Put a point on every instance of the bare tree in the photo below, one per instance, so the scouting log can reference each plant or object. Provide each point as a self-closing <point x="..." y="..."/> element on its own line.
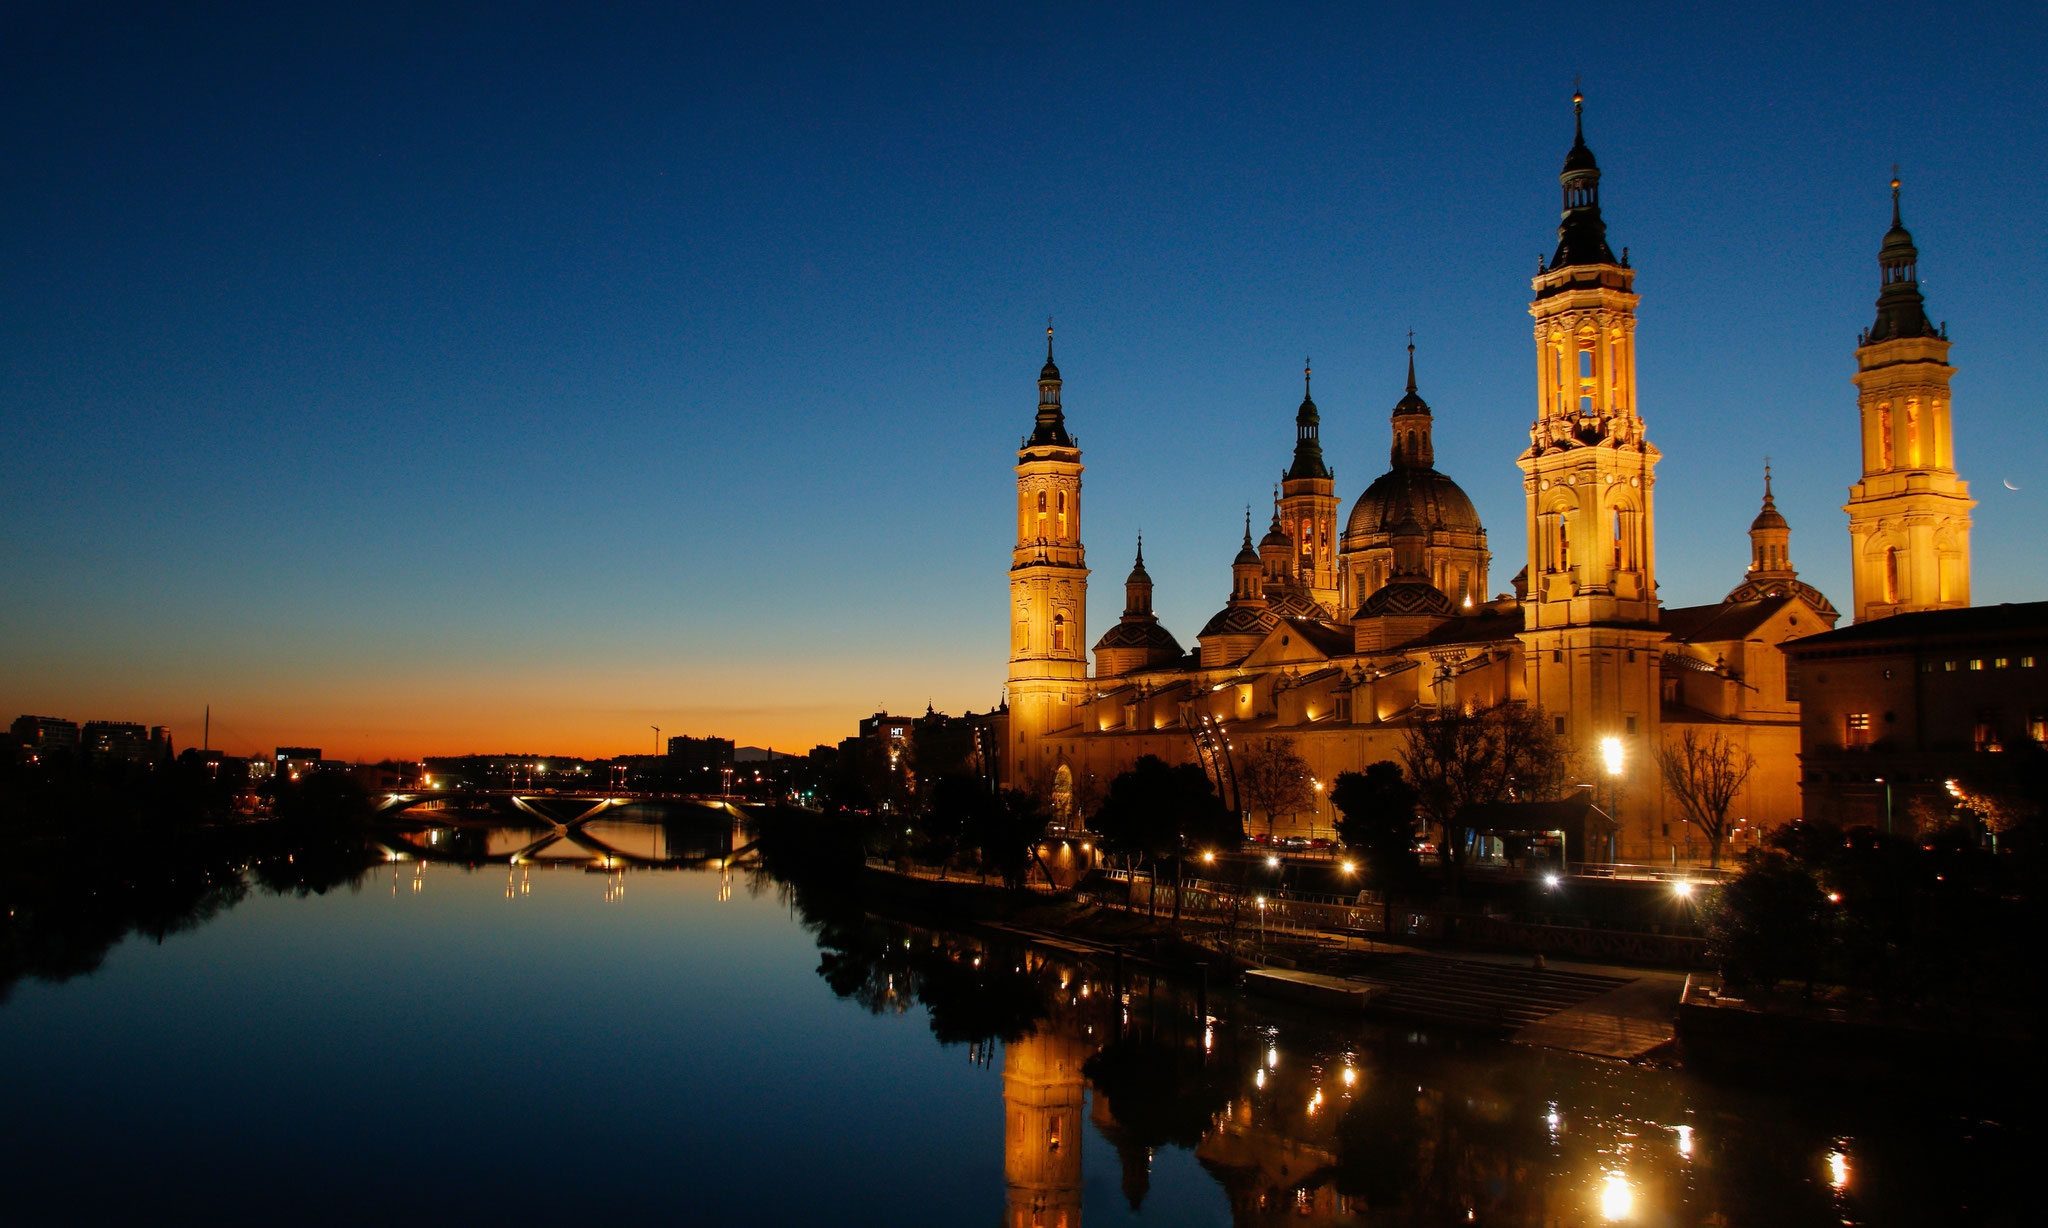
<point x="1273" y="779"/>
<point x="1705" y="774"/>
<point x="1457" y="760"/>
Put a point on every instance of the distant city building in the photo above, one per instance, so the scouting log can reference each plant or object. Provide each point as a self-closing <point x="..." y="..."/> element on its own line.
<point x="700" y="755"/>
<point x="43" y="736"/>
<point x="105" y="741"/>
<point x="290" y="762"/>
<point x="1893" y="709"/>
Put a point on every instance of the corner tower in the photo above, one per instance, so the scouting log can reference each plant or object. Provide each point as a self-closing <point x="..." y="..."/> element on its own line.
<point x="1909" y="518"/>
<point x="1048" y="584"/>
<point x="1589" y="470"/>
<point x="1308" y="506"/>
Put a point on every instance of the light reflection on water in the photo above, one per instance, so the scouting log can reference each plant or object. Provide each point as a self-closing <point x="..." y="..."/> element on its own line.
<point x="706" y="1021"/>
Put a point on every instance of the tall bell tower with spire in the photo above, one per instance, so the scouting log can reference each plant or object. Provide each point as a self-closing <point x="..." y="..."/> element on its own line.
<point x="1048" y="584"/>
<point x="1308" y="505"/>
<point x="1909" y="518"/>
<point x="1589" y="471"/>
<point x="1588" y="475"/>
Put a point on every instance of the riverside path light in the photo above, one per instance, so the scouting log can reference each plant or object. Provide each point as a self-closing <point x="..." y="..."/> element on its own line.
<point x="1611" y="754"/>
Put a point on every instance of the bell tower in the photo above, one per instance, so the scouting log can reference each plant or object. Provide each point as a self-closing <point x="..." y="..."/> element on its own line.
<point x="1308" y="505"/>
<point x="1589" y="470"/>
<point x="1909" y="518"/>
<point x="1590" y="634"/>
<point x="1048" y="584"/>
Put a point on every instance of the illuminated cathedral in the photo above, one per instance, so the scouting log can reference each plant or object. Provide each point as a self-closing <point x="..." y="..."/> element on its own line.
<point x="1338" y="639"/>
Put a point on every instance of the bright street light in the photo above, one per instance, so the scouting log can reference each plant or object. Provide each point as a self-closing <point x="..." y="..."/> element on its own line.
<point x="1610" y="750"/>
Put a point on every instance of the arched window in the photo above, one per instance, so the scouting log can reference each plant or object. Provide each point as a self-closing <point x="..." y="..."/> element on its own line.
<point x="1616" y="517"/>
<point x="1564" y="542"/>
<point x="1891" y="575"/>
<point x="1059" y="632"/>
<point x="1041" y="515"/>
<point x="1063" y="514"/>
<point x="1912" y="432"/>
<point x="1884" y="436"/>
<point x="1307" y="538"/>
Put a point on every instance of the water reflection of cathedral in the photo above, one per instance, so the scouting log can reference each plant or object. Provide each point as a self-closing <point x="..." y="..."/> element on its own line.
<point x="1300" y="1119"/>
<point x="1043" y="1090"/>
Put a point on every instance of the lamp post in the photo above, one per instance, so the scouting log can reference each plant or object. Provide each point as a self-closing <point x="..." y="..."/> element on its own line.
<point x="1611" y="753"/>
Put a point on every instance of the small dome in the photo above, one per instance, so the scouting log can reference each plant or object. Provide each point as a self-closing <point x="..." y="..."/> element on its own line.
<point x="1407" y="597"/>
<point x="1246" y="555"/>
<point x="1138" y="573"/>
<point x="1769" y="518"/>
<point x="1239" y="620"/>
<point x="1580" y="158"/>
<point x="1048" y="371"/>
<point x="1140" y="634"/>
<point x="1275" y="539"/>
<point x="1288" y="601"/>
<point x="1434" y="500"/>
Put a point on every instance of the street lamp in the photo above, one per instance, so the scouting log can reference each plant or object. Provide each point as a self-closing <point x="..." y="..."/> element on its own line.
<point x="1610" y="751"/>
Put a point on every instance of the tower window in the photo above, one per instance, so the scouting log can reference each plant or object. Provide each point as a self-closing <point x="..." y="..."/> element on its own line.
<point x="1884" y="436"/>
<point x="1912" y="432"/>
<point x="1891" y="575"/>
<point x="1063" y="514"/>
<point x="1059" y="632"/>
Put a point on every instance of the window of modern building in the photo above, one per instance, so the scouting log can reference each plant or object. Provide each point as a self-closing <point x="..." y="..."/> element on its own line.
<point x="2000" y="662"/>
<point x="1976" y="663"/>
<point x="1856" y="729"/>
<point x="2037" y="728"/>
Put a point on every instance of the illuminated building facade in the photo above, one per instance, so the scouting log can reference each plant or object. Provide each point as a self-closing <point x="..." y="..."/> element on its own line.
<point x="1339" y="651"/>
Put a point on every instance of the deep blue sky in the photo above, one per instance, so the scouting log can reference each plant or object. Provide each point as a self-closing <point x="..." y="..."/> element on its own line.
<point x="525" y="375"/>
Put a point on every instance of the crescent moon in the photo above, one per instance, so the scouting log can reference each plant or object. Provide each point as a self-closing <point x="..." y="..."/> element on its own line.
<point x="2009" y="485"/>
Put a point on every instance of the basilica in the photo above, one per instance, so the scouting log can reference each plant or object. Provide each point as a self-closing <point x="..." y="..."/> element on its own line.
<point x="1338" y="634"/>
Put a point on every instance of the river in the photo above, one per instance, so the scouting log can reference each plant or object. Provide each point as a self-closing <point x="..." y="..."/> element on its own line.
<point x="559" y="1041"/>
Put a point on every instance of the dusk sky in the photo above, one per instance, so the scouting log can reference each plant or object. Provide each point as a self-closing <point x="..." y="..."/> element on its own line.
<point x="424" y="379"/>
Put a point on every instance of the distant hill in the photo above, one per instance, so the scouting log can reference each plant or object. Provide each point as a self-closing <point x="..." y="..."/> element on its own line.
<point x="756" y="754"/>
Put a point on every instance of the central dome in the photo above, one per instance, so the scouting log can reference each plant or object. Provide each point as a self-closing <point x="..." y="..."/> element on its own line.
<point x="1434" y="500"/>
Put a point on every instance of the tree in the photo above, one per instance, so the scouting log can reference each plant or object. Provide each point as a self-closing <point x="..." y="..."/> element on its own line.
<point x="1273" y="779"/>
<point x="1008" y="831"/>
<point x="1457" y="760"/>
<point x="1376" y="813"/>
<point x="1157" y="811"/>
<point x="1705" y="774"/>
<point x="1766" y="925"/>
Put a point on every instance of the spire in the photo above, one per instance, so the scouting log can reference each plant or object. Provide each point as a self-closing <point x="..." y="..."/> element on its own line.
<point x="1138" y="586"/>
<point x="1413" y="447"/>
<point x="1050" y="429"/>
<point x="1770" y="539"/>
<point x="1308" y="444"/>
<point x="1581" y="233"/>
<point x="1901" y="312"/>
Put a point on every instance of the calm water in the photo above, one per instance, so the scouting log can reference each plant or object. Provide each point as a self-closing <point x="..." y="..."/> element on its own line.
<point x="551" y="1043"/>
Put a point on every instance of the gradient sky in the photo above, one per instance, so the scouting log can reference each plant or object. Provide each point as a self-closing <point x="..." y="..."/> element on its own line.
<point x="423" y="379"/>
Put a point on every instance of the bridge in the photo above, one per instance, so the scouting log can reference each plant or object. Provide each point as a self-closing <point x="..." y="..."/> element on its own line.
<point x="564" y="822"/>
